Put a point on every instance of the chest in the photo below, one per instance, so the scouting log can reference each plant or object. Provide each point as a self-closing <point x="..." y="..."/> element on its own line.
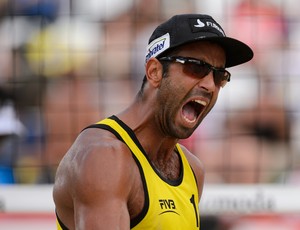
<point x="160" y="203"/>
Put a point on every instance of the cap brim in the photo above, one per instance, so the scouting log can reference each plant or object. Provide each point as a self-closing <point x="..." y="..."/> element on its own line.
<point x="236" y="51"/>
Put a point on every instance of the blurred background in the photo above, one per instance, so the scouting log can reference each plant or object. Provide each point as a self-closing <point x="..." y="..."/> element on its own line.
<point x="65" y="64"/>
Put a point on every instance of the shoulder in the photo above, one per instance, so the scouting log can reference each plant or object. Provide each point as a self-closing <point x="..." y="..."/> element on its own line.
<point x="95" y="164"/>
<point x="104" y="153"/>
<point x="197" y="167"/>
<point x="95" y="178"/>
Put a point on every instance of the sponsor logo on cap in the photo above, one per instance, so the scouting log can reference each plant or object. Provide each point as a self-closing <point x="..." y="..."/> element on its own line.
<point x="212" y="24"/>
<point x="199" y="23"/>
<point x="202" y="24"/>
<point x="158" y="46"/>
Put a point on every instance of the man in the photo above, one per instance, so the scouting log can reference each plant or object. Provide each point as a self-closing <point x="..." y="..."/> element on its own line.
<point x="128" y="171"/>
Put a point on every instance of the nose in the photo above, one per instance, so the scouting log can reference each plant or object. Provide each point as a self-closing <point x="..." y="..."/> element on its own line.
<point x="208" y="82"/>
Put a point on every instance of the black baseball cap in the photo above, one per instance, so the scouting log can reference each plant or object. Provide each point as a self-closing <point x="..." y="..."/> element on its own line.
<point x="186" y="28"/>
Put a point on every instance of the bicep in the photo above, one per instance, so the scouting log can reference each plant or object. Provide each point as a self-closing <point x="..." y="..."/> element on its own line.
<point x="101" y="190"/>
<point x="108" y="214"/>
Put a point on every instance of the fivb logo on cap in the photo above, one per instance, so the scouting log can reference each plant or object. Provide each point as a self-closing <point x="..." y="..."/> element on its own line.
<point x="158" y="46"/>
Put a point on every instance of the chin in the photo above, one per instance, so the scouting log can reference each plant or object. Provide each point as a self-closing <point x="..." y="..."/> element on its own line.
<point x="185" y="133"/>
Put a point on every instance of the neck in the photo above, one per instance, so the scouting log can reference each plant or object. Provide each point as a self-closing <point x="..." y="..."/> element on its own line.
<point x="140" y="117"/>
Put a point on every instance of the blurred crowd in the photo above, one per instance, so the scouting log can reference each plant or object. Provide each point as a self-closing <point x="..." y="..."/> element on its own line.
<point x="67" y="64"/>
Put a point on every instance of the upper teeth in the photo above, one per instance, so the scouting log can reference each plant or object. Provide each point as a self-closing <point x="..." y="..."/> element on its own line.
<point x="204" y="103"/>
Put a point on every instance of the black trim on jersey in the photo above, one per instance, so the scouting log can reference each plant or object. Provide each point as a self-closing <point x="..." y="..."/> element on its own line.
<point x="194" y="175"/>
<point x="142" y="214"/>
<point x="136" y="220"/>
<point x="136" y="141"/>
<point x="106" y="127"/>
<point x="63" y="227"/>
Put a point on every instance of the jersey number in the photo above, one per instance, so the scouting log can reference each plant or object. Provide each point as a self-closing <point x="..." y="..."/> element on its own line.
<point x="192" y="200"/>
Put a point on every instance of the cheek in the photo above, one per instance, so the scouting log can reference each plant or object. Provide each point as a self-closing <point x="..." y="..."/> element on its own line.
<point x="215" y="95"/>
<point x="170" y="89"/>
<point x="170" y="96"/>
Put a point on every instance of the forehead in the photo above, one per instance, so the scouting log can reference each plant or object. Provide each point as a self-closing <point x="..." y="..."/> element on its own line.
<point x="204" y="50"/>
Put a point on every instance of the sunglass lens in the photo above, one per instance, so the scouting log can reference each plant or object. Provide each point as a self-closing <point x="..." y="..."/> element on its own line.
<point x="196" y="70"/>
<point x="220" y="78"/>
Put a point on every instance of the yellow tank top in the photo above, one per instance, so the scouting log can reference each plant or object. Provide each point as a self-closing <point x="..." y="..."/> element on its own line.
<point x="169" y="205"/>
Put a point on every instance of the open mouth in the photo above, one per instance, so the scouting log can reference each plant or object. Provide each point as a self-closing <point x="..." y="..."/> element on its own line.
<point x="192" y="110"/>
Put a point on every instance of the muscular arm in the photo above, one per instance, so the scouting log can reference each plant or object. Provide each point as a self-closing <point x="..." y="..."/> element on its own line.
<point x="99" y="183"/>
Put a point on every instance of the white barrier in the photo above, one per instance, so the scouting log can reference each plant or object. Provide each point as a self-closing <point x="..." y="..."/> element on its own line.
<point x="26" y="198"/>
<point x="216" y="199"/>
<point x="250" y="199"/>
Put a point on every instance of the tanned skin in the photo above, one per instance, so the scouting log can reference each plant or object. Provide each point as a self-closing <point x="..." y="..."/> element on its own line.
<point x="98" y="184"/>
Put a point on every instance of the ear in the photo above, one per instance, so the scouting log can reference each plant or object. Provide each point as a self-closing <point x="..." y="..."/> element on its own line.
<point x="154" y="72"/>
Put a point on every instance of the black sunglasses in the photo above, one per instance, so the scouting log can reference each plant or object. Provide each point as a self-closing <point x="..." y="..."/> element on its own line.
<point x="200" y="69"/>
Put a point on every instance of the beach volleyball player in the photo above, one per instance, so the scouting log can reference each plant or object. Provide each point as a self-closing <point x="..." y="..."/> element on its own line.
<point x="128" y="171"/>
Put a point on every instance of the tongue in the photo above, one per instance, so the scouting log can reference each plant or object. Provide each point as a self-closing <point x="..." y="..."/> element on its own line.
<point x="189" y="113"/>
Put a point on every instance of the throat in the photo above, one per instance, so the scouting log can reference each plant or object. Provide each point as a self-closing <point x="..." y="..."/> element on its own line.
<point x="171" y="169"/>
